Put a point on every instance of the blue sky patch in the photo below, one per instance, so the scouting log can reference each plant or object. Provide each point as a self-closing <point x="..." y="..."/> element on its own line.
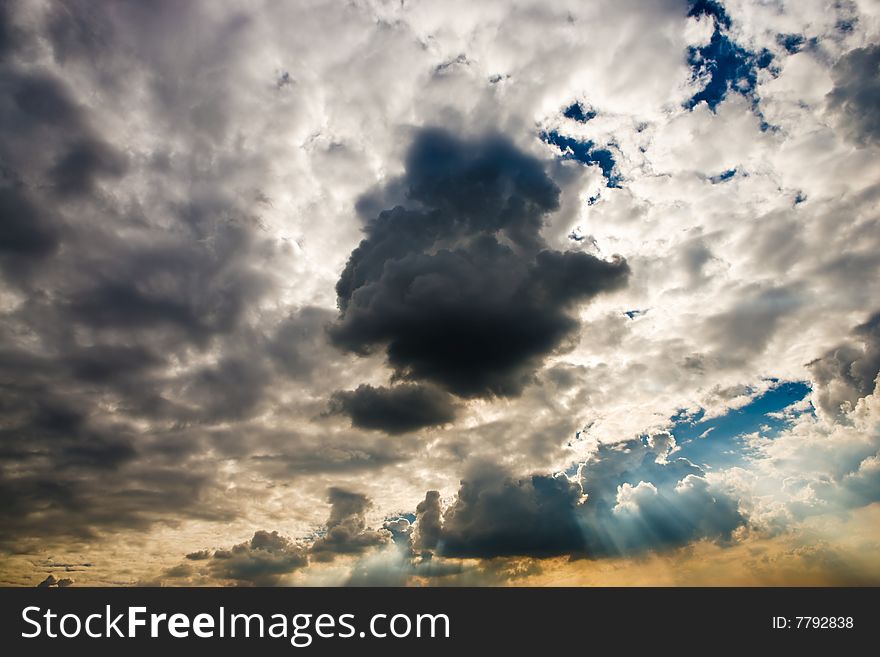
<point x="727" y="65"/>
<point x="576" y="112"/>
<point x="721" y="177"/>
<point x="709" y="8"/>
<point x="585" y="152"/>
<point x="729" y="68"/>
<point x="717" y="442"/>
<point x="791" y="42"/>
<point x="846" y="25"/>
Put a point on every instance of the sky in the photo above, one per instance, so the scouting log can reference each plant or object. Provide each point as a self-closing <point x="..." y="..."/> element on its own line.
<point x="417" y="293"/>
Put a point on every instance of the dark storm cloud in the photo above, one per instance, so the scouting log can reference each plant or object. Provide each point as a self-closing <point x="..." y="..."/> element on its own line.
<point x="495" y="515"/>
<point x="627" y="498"/>
<point x="856" y="94"/>
<point x="395" y="410"/>
<point x="346" y="531"/>
<point x="458" y="286"/>
<point x="849" y="372"/>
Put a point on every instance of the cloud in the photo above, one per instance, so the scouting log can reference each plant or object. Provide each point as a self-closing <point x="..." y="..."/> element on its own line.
<point x="458" y="287"/>
<point x="24" y="232"/>
<point x="641" y="496"/>
<point x="627" y="498"/>
<point x="820" y="463"/>
<point x="346" y="531"/>
<point x="76" y="170"/>
<point x="269" y="558"/>
<point x="395" y="410"/>
<point x="495" y="515"/>
<point x="428" y="528"/>
<point x="847" y="373"/>
<point x="262" y="561"/>
<point x="184" y="184"/>
<point x="856" y="94"/>
<point x="819" y="466"/>
<point x="52" y="582"/>
<point x="745" y="330"/>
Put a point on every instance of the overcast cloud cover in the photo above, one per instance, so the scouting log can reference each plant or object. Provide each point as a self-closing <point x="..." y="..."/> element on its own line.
<point x="439" y="293"/>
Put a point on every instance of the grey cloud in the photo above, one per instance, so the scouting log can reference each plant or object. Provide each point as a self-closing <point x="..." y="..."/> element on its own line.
<point x="856" y="94"/>
<point x="262" y="561"/>
<point x="23" y="229"/>
<point x="76" y="170"/>
<point x="52" y="143"/>
<point x="138" y="334"/>
<point x="184" y="284"/>
<point x="278" y="454"/>
<point x="89" y="498"/>
<point x="43" y="99"/>
<point x="269" y="556"/>
<point x="695" y="255"/>
<point x="297" y="348"/>
<point x="7" y="31"/>
<point x="627" y="498"/>
<point x="496" y="515"/>
<point x="52" y="582"/>
<point x="199" y="555"/>
<point x="744" y="331"/>
<point x="428" y="522"/>
<point x="395" y="410"/>
<point x="346" y="531"/>
<point x="459" y="288"/>
<point x="847" y="373"/>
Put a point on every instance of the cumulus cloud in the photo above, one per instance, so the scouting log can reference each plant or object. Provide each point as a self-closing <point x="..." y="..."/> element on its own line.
<point x="457" y="285"/>
<point x="428" y="522"/>
<point x="346" y="530"/>
<point x="261" y="561"/>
